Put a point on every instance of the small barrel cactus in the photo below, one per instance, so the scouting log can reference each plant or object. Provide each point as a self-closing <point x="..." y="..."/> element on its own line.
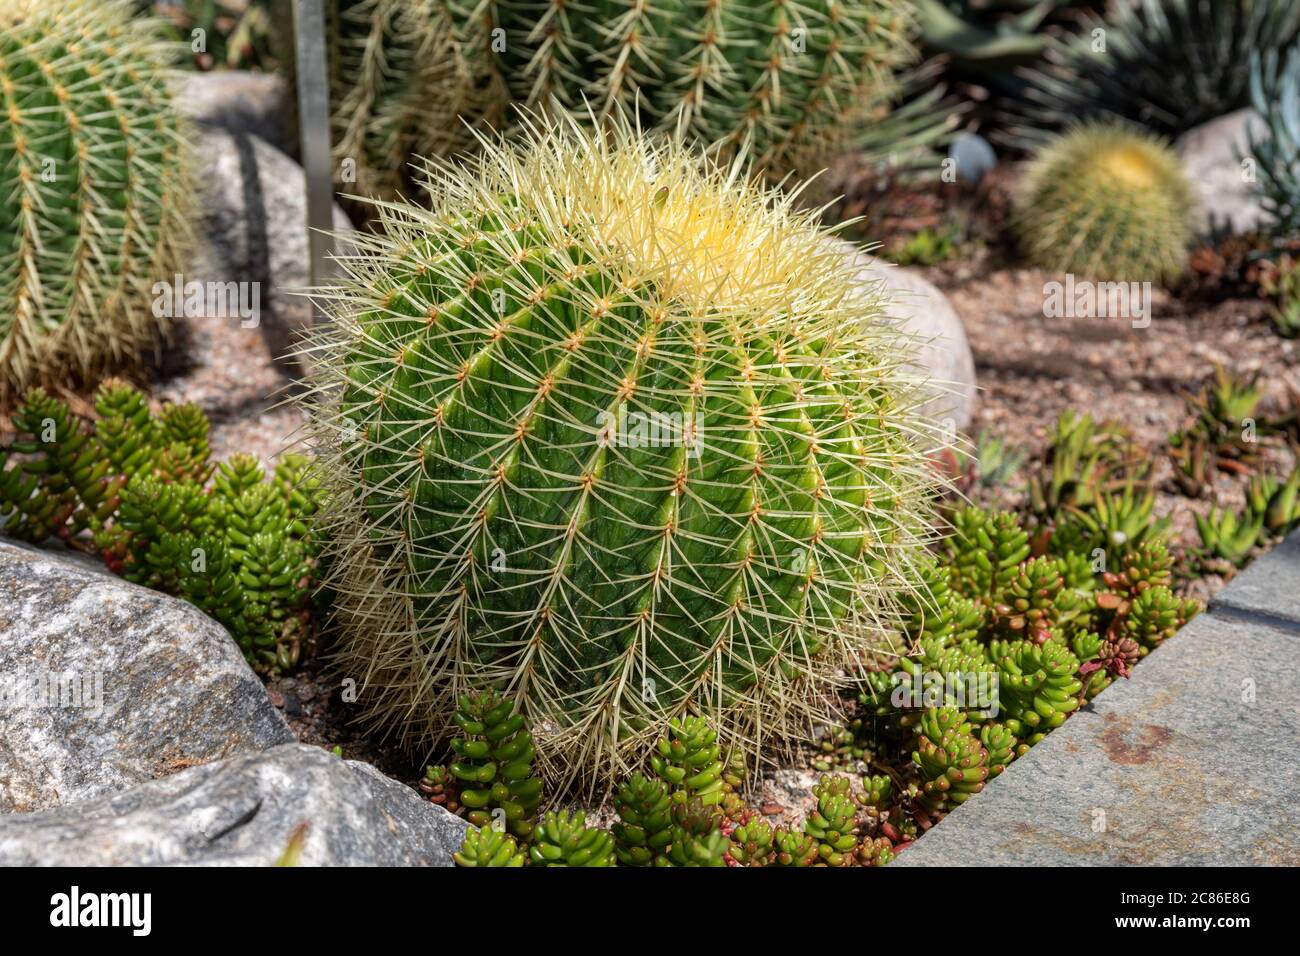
<point x="94" y="188"/>
<point x="618" y="436"/>
<point x="1105" y="201"/>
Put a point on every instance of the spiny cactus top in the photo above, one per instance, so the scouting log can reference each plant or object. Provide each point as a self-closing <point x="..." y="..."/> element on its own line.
<point x="1106" y="201"/>
<point x="614" y="431"/>
<point x="789" y="77"/>
<point x="93" y="186"/>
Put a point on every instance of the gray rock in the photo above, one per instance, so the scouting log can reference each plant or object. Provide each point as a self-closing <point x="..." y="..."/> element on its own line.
<point x="1267" y="589"/>
<point x="105" y="685"/>
<point x="1190" y="762"/>
<point x="1212" y="156"/>
<point x="243" y="102"/>
<point x="972" y="156"/>
<point x="943" y="354"/>
<point x="254" y="230"/>
<point x="242" y="812"/>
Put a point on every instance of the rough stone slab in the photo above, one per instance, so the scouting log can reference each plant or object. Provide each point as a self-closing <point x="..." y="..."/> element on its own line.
<point x="1270" y="587"/>
<point x="1178" y="764"/>
<point x="241" y="812"/>
<point x="142" y="685"/>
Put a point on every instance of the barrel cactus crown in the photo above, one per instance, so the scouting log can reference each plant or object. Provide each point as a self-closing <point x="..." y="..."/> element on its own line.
<point x="1107" y="202"/>
<point x="612" y="431"/>
<point x="790" y="78"/>
<point x="94" y="188"/>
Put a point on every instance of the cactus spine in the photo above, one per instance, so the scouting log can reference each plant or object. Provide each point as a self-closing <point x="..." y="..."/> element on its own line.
<point x="503" y="516"/>
<point x="94" y="188"/>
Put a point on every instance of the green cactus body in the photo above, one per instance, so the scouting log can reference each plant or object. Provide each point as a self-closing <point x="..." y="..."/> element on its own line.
<point x="1106" y="202"/>
<point x="95" y="189"/>
<point x="583" y="448"/>
<point x="789" y="78"/>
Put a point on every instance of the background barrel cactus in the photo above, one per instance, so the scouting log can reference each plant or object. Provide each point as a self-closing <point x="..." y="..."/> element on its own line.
<point x="411" y="77"/>
<point x="1107" y="202"/>
<point x="398" y="83"/>
<point x="789" y="77"/>
<point x="611" y="431"/>
<point x="94" y="188"/>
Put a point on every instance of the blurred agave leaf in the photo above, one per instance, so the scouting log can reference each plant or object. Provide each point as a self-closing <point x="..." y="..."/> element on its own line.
<point x="909" y="139"/>
<point x="1168" y="65"/>
<point x="1275" y="96"/>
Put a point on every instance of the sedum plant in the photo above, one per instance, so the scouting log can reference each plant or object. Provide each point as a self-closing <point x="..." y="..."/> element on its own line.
<point x="1107" y="202"/>
<point x="564" y="839"/>
<point x="616" y="432"/>
<point x="95" y="188"/>
<point x="494" y="765"/>
<point x="486" y="847"/>
<point x="140" y="491"/>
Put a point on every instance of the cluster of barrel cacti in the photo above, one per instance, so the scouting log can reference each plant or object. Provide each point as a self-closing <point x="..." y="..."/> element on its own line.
<point x="686" y="812"/>
<point x="95" y="188"/>
<point x="617" y="434"/>
<point x="140" y="490"/>
<point x="786" y="83"/>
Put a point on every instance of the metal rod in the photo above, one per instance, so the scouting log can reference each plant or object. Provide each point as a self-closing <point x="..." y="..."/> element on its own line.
<point x="314" y="133"/>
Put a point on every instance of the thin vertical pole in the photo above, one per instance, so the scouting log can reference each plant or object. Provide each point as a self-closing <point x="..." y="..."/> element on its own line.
<point x="314" y="132"/>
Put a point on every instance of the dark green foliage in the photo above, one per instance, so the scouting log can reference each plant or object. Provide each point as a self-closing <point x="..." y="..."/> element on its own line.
<point x="134" y="488"/>
<point x="495" y="764"/>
